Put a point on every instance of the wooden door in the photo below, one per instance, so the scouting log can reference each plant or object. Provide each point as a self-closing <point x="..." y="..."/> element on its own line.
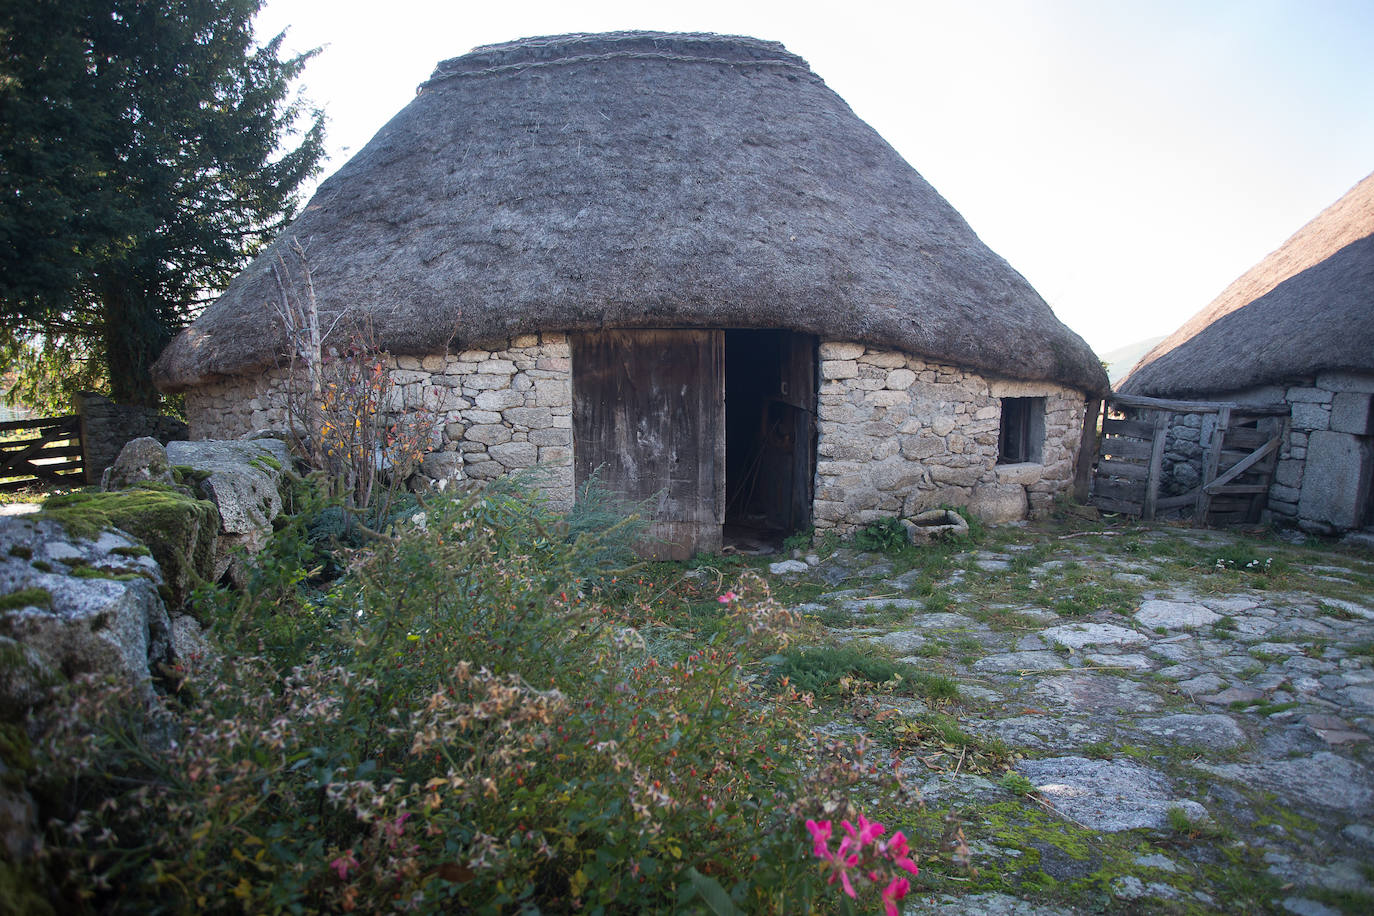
<point x="649" y="422"/>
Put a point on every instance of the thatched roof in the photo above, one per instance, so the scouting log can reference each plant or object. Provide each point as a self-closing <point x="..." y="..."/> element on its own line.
<point x="639" y="180"/>
<point x="1306" y="308"/>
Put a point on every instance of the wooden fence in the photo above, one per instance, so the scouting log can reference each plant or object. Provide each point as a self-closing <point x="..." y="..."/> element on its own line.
<point x="41" y="450"/>
<point x="1238" y="458"/>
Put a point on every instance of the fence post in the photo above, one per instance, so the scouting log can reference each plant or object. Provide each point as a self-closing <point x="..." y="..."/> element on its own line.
<point x="1087" y="450"/>
<point x="1162" y="418"/>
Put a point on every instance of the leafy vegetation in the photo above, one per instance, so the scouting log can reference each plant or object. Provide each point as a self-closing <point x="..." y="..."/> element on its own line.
<point x="474" y="714"/>
<point x="149" y="150"/>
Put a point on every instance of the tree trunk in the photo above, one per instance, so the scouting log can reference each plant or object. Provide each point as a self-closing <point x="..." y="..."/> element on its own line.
<point x="133" y="336"/>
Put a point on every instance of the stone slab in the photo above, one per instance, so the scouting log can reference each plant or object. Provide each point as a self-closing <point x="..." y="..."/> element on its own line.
<point x="1095" y="694"/>
<point x="1107" y="795"/>
<point x="1018" y="662"/>
<point x="1323" y="780"/>
<point x="1078" y="635"/>
<point x="1215" y="731"/>
<point x="1334" y="483"/>
<point x="1175" y="615"/>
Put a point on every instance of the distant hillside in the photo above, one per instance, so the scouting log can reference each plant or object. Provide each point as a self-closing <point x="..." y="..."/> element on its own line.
<point x="1123" y="359"/>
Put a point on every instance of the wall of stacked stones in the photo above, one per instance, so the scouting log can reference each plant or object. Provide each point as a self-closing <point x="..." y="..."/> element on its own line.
<point x="899" y="435"/>
<point x="1328" y="447"/>
<point x="493" y="410"/>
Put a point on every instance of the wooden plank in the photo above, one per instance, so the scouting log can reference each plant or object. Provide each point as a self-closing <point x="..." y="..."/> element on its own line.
<point x="1253" y="410"/>
<point x="1156" y="464"/>
<point x="1246" y="438"/>
<point x="1125" y="448"/>
<point x="36" y="473"/>
<point x="799" y="369"/>
<point x="1106" y="504"/>
<point x="649" y="421"/>
<point x="1127" y="492"/>
<point x="1209" y="470"/>
<point x="1235" y="489"/>
<point x="1136" y="429"/>
<point x="1111" y="467"/>
<point x="1262" y="409"/>
<point x="1131" y="400"/>
<point x="14" y="445"/>
<point x="1087" y="451"/>
<point x="40" y="423"/>
<point x="51" y="451"/>
<point x="1241" y="466"/>
<point x="1165" y="503"/>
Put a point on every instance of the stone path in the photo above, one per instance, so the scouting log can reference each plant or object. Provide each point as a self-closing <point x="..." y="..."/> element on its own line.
<point x="1192" y="749"/>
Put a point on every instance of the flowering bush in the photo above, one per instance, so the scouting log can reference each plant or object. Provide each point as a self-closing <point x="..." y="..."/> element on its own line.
<point x="466" y="720"/>
<point x="861" y="857"/>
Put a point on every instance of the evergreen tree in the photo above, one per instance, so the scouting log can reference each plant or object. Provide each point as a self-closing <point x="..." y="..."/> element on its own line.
<point x="148" y="148"/>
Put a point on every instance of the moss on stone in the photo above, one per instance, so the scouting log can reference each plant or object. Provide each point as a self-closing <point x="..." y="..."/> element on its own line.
<point x="187" y="475"/>
<point x="26" y="597"/>
<point x="137" y="550"/>
<point x="22" y="552"/>
<point x="180" y="530"/>
<point x="42" y="566"/>
<point x="91" y="572"/>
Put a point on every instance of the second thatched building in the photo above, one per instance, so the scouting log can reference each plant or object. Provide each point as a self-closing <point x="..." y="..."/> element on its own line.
<point x="678" y="261"/>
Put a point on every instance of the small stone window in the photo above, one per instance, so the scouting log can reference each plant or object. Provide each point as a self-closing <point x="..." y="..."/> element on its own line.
<point x="1022" y="438"/>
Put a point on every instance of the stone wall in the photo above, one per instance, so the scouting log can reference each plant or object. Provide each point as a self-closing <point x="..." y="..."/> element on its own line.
<point x="495" y="409"/>
<point x="898" y="435"/>
<point x="1322" y="479"/>
<point x="106" y="427"/>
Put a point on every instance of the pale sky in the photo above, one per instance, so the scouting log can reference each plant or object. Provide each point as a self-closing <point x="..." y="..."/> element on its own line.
<point x="1130" y="159"/>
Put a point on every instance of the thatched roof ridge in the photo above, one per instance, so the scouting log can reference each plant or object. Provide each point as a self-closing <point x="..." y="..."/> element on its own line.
<point x="1307" y="307"/>
<point x="639" y="179"/>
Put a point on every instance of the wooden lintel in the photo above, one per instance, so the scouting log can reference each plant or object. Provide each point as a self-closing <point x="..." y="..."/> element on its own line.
<point x="1177" y="406"/>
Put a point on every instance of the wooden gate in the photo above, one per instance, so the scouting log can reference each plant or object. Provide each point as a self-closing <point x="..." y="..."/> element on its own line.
<point x="41" y="450"/>
<point x="1237" y="464"/>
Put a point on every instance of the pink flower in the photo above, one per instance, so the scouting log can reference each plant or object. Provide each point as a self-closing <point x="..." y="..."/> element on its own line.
<point x="898" y="851"/>
<point x="842" y="867"/>
<point x="728" y="597"/>
<point x="343" y="864"/>
<point x="820" y="835"/>
<point x="895" y="891"/>
<point x="867" y="832"/>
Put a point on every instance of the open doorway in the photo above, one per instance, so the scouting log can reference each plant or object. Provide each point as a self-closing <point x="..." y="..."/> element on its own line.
<point x="770" y="436"/>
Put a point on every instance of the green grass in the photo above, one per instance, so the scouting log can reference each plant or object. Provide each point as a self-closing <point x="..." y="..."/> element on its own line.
<point x="820" y="670"/>
<point x="26" y="597"/>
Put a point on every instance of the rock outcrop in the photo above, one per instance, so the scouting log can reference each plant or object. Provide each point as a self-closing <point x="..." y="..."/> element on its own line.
<point x="243" y="479"/>
<point x="76" y="605"/>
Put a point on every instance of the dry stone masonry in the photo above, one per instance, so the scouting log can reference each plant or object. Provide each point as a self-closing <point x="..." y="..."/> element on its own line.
<point x="498" y="409"/>
<point x="899" y="436"/>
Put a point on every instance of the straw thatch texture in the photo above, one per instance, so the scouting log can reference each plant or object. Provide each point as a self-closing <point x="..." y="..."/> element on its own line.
<point x="1306" y="308"/>
<point x="640" y="180"/>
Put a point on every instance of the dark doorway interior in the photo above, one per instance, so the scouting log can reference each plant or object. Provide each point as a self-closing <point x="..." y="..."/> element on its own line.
<point x="770" y="435"/>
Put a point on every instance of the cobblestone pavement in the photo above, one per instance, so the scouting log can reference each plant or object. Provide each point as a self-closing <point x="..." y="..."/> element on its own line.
<point x="1189" y="715"/>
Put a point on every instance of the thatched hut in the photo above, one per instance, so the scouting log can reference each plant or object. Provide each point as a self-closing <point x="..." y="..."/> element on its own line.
<point x="680" y="259"/>
<point x="1298" y="327"/>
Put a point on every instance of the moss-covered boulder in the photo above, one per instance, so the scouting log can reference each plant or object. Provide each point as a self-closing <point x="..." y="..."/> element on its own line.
<point x="73" y="605"/>
<point x="182" y="532"/>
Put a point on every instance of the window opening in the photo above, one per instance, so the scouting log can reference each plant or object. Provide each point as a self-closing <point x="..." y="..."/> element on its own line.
<point x="1022" y="437"/>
